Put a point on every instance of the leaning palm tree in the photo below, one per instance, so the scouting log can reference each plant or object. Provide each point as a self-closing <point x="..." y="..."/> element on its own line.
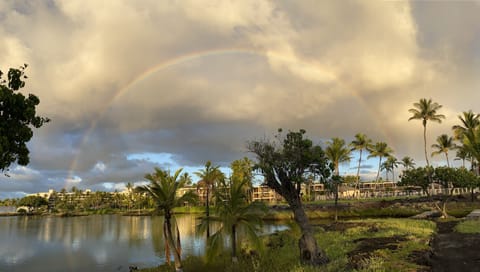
<point x="380" y="150"/>
<point x="360" y="143"/>
<point x="233" y="211"/>
<point x="209" y="177"/>
<point x="426" y="110"/>
<point x="443" y="145"/>
<point x="337" y="152"/>
<point x="163" y="190"/>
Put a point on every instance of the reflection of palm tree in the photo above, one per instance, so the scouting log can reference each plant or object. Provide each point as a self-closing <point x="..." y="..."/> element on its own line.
<point x="163" y="190"/>
<point x="380" y="150"/>
<point x="426" y="110"/>
<point x="443" y="145"/>
<point x="209" y="177"/>
<point x="361" y="142"/>
<point x="233" y="211"/>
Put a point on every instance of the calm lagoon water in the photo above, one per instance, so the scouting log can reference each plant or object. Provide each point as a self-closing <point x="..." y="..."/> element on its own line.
<point x="92" y="243"/>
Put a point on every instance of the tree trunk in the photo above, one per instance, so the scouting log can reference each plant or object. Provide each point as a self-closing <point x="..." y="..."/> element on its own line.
<point x="207" y="212"/>
<point x="234" y="244"/>
<point x="358" y="175"/>
<point x="176" y="252"/>
<point x="448" y="163"/>
<point x="379" y="165"/>
<point x="425" y="140"/>
<point x="310" y="253"/>
<point x="336" y="201"/>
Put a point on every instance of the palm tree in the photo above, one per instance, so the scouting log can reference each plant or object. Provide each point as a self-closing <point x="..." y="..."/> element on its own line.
<point x="426" y="110"/>
<point x="462" y="154"/>
<point x="389" y="166"/>
<point x="407" y="162"/>
<point x="469" y="121"/>
<point x="337" y="152"/>
<point x="443" y="145"/>
<point x="380" y="150"/>
<point x="243" y="170"/>
<point x="163" y="190"/>
<point x="471" y="143"/>
<point x="233" y="211"/>
<point x="209" y="177"/>
<point x="129" y="188"/>
<point x="360" y="143"/>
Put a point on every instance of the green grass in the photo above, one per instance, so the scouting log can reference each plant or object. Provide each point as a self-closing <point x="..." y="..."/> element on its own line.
<point x="281" y="249"/>
<point x="468" y="226"/>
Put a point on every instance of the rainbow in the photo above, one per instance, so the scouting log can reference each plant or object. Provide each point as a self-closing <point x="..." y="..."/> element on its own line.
<point x="184" y="59"/>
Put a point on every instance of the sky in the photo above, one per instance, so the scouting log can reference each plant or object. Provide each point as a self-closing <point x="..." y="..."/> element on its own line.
<point x="133" y="85"/>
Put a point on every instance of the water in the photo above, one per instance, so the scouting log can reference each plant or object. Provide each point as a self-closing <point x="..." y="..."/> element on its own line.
<point x="92" y="243"/>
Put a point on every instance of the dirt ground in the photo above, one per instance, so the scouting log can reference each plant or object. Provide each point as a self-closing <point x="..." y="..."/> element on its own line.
<point x="454" y="251"/>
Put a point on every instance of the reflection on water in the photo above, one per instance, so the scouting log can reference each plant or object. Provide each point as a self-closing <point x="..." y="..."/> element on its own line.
<point x="91" y="243"/>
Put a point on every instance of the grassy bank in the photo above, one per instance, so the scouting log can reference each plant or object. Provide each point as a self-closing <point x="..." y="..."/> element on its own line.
<point x="468" y="226"/>
<point x="355" y="245"/>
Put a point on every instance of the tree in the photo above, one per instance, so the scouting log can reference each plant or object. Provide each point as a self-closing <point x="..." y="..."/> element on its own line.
<point x="233" y="211"/>
<point x="418" y="177"/>
<point x="471" y="143"/>
<point x="451" y="178"/>
<point x="32" y="201"/>
<point x="17" y="117"/>
<point x="469" y="122"/>
<point x="380" y="150"/>
<point x="209" y="177"/>
<point x="337" y="152"/>
<point x="443" y="145"/>
<point x="243" y="170"/>
<point x="462" y="154"/>
<point x="426" y="110"/>
<point x="389" y="166"/>
<point x="285" y="165"/>
<point x="407" y="162"/>
<point x="360" y="143"/>
<point x="163" y="190"/>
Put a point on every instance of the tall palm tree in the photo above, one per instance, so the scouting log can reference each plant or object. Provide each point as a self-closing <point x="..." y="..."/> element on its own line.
<point x="380" y="150"/>
<point x="243" y="170"/>
<point x="426" y="110"/>
<point x="209" y="177"/>
<point x="337" y="152"/>
<point x="163" y="190"/>
<point x="443" y="145"/>
<point x="407" y="162"/>
<point x="360" y="143"/>
<point x="233" y="211"/>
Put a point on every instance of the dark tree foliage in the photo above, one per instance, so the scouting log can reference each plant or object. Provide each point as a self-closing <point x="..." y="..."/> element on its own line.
<point x="421" y="177"/>
<point x="286" y="163"/>
<point x="17" y="117"/>
<point x="32" y="201"/>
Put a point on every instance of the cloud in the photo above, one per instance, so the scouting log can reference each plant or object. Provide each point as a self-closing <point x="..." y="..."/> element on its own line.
<point x="197" y="80"/>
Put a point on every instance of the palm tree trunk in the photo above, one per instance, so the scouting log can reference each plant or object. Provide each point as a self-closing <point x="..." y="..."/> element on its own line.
<point x="425" y="141"/>
<point x="176" y="253"/>
<point x="379" y="165"/>
<point x="357" y="187"/>
<point x="448" y="163"/>
<point x="167" y="246"/>
<point x="207" y="212"/>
